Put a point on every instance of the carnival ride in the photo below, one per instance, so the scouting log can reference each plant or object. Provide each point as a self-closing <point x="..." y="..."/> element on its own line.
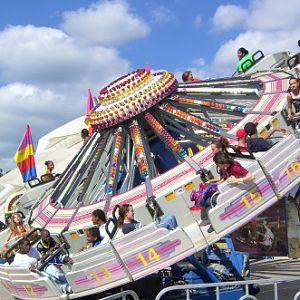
<point x="149" y="149"/>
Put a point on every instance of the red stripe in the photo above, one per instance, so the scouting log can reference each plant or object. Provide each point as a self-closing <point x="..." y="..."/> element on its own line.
<point x="26" y="163"/>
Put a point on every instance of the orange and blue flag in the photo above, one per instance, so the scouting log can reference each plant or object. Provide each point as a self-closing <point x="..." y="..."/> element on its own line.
<point x="24" y="157"/>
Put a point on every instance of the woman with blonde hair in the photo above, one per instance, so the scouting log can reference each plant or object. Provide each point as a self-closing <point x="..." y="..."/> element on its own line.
<point x="17" y="228"/>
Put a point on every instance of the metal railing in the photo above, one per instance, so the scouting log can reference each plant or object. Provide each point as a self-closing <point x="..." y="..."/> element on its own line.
<point x="122" y="295"/>
<point x="191" y="288"/>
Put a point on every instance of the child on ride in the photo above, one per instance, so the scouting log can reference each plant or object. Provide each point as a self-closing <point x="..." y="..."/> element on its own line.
<point x="229" y="170"/>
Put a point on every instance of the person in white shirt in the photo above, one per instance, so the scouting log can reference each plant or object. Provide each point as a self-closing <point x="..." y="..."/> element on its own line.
<point x="28" y="257"/>
<point x="99" y="219"/>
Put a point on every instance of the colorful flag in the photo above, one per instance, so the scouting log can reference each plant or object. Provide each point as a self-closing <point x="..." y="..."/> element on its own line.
<point x="90" y="103"/>
<point x="89" y="107"/>
<point x="148" y="69"/>
<point x="24" y="157"/>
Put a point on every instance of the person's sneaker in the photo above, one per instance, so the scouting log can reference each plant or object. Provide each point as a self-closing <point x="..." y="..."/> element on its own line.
<point x="204" y="222"/>
<point x="210" y="229"/>
<point x="197" y="207"/>
<point x="68" y="290"/>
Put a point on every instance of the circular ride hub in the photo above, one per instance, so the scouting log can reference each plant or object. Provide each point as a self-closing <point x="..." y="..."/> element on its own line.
<point x="145" y="124"/>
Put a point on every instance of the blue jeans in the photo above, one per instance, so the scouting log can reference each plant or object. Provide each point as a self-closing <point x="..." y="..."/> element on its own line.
<point x="57" y="275"/>
<point x="58" y="259"/>
<point x="169" y="222"/>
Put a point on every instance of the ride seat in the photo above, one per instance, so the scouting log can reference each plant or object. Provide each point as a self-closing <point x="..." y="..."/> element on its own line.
<point x="86" y="257"/>
<point x="38" y="285"/>
<point x="282" y="164"/>
<point x="132" y="237"/>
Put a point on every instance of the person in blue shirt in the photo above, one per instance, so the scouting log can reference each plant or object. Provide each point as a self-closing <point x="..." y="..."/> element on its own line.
<point x="127" y="222"/>
<point x="93" y="238"/>
<point x="256" y="143"/>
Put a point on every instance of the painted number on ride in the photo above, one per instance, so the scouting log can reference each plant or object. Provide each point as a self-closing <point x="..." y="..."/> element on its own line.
<point x="101" y="274"/>
<point x="295" y="169"/>
<point x="146" y="259"/>
<point x="255" y="196"/>
<point x="28" y="289"/>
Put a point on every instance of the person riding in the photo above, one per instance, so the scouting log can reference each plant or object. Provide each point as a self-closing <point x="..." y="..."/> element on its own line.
<point x="17" y="228"/>
<point x="49" y="166"/>
<point x="293" y="97"/>
<point x="126" y="219"/>
<point x="28" y="257"/>
<point x="230" y="170"/>
<point x="127" y="222"/>
<point x="220" y="145"/>
<point x="85" y="135"/>
<point x="48" y="176"/>
<point x="245" y="60"/>
<point x="93" y="238"/>
<point x="47" y="246"/>
<point x="241" y="136"/>
<point x="99" y="219"/>
<point x="256" y="143"/>
<point x="187" y="76"/>
<point x="296" y="66"/>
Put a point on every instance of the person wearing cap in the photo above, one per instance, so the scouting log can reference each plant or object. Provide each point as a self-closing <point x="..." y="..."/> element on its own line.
<point x="256" y="143"/>
<point x="241" y="135"/>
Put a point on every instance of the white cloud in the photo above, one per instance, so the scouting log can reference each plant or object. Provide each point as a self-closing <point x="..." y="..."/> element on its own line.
<point x="162" y="15"/>
<point x="262" y="32"/>
<point x="199" y="62"/>
<point x="106" y="23"/>
<point x="198" y="21"/>
<point x="48" y="57"/>
<point x="45" y="75"/>
<point x="228" y="16"/>
<point x="27" y="104"/>
<point x="267" y="15"/>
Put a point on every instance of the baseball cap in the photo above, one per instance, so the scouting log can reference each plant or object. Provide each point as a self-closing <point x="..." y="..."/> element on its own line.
<point x="240" y="133"/>
<point x="250" y="128"/>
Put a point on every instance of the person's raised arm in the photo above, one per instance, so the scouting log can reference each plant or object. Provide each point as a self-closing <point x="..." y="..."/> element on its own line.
<point x="283" y="130"/>
<point x="9" y="236"/>
<point x="289" y="109"/>
<point x="249" y="177"/>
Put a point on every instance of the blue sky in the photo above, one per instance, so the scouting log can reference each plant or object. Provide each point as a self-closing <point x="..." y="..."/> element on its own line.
<point x="52" y="51"/>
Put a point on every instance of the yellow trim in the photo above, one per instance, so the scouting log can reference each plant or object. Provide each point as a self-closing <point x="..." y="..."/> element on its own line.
<point x="23" y="154"/>
<point x="264" y="132"/>
<point x="189" y="186"/>
<point x="170" y="196"/>
<point x="275" y="122"/>
<point x="74" y="235"/>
